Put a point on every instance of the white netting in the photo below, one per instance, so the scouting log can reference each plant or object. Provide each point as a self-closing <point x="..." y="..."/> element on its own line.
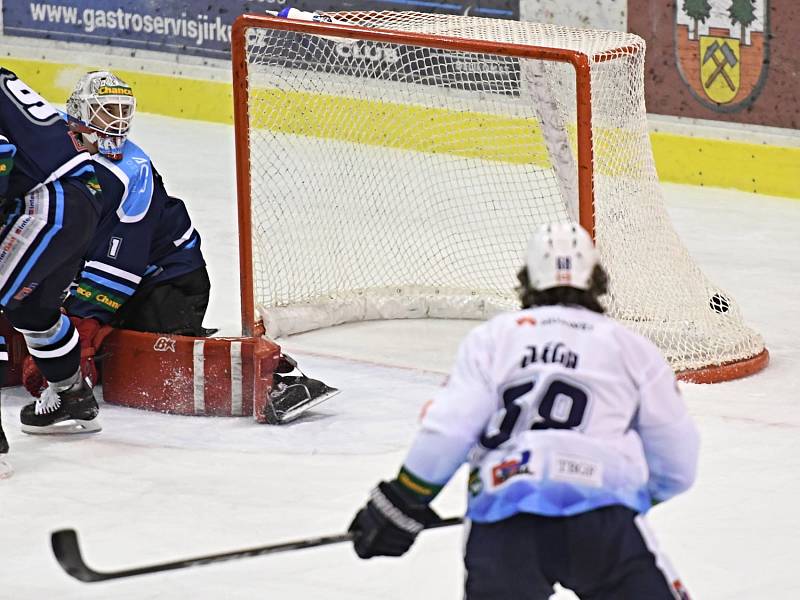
<point x="395" y="181"/>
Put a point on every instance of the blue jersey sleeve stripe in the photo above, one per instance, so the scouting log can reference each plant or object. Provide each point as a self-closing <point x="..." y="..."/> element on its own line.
<point x="83" y="170"/>
<point x="56" y="227"/>
<point x="69" y="166"/>
<point x="128" y="291"/>
<point x="101" y="278"/>
<point x="63" y="328"/>
<point x="186" y="235"/>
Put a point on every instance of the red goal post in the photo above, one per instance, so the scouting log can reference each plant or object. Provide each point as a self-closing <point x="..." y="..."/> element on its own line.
<point x="697" y="359"/>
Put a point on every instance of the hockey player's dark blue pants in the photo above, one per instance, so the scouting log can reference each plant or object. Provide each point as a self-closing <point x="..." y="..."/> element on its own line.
<point x="604" y="554"/>
<point x="43" y="240"/>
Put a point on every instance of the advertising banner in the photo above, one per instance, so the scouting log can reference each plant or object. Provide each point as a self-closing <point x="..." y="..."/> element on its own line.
<point x="732" y="60"/>
<point x="386" y="61"/>
<point x="197" y="27"/>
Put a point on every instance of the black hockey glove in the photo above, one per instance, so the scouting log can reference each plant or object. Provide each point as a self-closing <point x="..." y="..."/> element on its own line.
<point x="390" y="521"/>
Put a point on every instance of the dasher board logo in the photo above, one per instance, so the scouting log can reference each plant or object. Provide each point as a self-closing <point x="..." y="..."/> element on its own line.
<point x="722" y="50"/>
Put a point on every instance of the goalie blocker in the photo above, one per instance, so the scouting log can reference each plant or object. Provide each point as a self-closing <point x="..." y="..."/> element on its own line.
<point x="185" y="375"/>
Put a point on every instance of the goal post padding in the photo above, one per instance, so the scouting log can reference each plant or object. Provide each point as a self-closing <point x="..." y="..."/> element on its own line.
<point x="394" y="164"/>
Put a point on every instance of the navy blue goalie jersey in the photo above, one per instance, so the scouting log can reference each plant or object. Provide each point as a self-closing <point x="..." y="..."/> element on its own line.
<point x="145" y="237"/>
<point x="35" y="144"/>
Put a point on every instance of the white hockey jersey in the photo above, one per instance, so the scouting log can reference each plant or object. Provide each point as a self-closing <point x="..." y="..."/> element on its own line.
<point x="559" y="410"/>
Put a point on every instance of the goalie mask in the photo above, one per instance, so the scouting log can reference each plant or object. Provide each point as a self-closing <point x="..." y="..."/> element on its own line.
<point x="561" y="255"/>
<point x="101" y="108"/>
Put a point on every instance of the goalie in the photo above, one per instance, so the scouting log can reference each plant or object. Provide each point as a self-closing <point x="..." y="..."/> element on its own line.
<point x="145" y="270"/>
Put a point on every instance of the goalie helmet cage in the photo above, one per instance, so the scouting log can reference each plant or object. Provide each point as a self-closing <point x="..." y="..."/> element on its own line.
<point x="394" y="164"/>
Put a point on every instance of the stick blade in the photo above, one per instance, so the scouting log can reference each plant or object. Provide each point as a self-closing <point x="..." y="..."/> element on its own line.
<point x="68" y="554"/>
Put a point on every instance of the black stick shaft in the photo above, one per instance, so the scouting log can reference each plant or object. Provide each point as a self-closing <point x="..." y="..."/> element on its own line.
<point x="68" y="554"/>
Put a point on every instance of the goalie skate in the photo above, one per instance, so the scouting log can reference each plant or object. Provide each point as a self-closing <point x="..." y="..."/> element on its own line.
<point x="291" y="396"/>
<point x="73" y="410"/>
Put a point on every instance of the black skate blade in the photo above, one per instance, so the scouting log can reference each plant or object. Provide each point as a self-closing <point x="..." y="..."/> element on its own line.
<point x="281" y="417"/>
<point x="67" y="427"/>
<point x="292" y="413"/>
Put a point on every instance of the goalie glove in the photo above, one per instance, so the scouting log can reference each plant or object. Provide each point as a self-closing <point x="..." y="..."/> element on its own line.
<point x="390" y="521"/>
<point x="32" y="378"/>
<point x="91" y="333"/>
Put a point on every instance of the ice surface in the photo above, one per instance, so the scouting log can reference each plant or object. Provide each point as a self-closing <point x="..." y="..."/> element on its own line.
<point x="154" y="487"/>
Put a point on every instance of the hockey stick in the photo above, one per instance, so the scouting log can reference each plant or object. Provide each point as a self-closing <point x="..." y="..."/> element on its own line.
<point x="68" y="554"/>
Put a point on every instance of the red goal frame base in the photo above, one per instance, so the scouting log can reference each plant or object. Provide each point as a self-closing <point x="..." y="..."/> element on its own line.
<point x="727" y="371"/>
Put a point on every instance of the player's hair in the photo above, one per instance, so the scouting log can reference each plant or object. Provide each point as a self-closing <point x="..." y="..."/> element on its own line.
<point x="565" y="295"/>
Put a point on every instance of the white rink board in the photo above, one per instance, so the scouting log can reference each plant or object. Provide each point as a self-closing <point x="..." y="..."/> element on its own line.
<point x="154" y="487"/>
<point x="601" y="14"/>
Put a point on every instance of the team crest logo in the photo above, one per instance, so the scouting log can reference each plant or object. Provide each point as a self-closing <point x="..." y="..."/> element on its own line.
<point x="722" y="50"/>
<point x="511" y="467"/>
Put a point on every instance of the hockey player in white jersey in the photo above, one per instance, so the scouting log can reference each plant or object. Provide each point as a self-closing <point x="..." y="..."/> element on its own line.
<point x="572" y="426"/>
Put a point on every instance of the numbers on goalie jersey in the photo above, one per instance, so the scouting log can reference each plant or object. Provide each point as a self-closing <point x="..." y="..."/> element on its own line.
<point x="114" y="246"/>
<point x="556" y="404"/>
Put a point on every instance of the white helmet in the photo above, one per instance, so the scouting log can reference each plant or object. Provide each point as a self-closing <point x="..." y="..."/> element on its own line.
<point x="103" y="106"/>
<point x="561" y="254"/>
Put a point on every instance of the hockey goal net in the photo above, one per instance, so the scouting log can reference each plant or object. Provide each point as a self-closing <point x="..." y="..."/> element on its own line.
<point x="394" y="164"/>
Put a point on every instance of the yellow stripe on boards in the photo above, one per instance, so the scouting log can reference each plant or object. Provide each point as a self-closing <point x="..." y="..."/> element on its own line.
<point x="762" y="169"/>
<point x="166" y="95"/>
<point x="401" y="126"/>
